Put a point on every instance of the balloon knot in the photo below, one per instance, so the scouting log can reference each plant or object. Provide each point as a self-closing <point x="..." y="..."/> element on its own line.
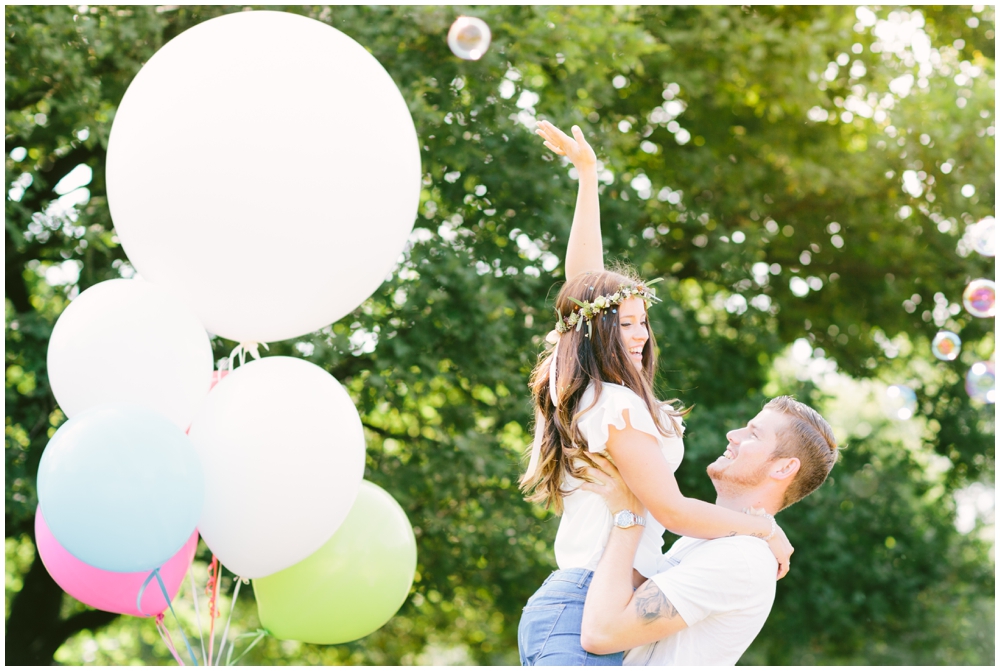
<point x="244" y="348"/>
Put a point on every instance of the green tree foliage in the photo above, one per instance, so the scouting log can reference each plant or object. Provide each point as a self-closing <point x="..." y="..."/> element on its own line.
<point x="794" y="173"/>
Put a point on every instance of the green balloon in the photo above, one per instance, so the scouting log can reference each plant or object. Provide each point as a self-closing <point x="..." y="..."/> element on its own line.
<point x="352" y="585"/>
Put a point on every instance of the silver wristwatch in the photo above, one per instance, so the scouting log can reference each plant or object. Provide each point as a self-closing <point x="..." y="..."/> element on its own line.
<point x="626" y="518"/>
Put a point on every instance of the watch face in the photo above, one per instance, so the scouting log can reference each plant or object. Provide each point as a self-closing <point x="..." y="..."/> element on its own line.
<point x="624" y="519"/>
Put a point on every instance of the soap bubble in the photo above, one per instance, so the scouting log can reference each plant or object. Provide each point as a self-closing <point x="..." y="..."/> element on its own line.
<point x="983" y="236"/>
<point x="946" y="346"/>
<point x="980" y="298"/>
<point x="980" y="382"/>
<point x="469" y="38"/>
<point x="901" y="401"/>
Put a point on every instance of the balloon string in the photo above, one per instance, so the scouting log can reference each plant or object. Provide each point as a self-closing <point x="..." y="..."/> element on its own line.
<point x="197" y="614"/>
<point x="159" y="618"/>
<point x="213" y="596"/>
<point x="244" y="348"/>
<point x="142" y="590"/>
<point x="259" y="634"/>
<point x="166" y="597"/>
<point x="167" y="641"/>
<point x="225" y="632"/>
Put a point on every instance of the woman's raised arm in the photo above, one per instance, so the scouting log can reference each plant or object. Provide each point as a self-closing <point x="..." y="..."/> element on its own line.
<point x="585" y="251"/>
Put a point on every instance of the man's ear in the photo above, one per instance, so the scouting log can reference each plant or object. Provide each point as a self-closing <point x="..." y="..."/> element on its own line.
<point x="785" y="468"/>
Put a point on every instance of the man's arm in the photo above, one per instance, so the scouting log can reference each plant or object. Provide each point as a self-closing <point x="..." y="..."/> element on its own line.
<point x="616" y="618"/>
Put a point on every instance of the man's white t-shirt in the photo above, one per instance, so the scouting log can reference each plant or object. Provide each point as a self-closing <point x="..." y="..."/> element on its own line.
<point x="724" y="589"/>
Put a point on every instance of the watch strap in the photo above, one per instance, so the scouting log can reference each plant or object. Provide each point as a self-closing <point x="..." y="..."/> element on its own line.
<point x="625" y="519"/>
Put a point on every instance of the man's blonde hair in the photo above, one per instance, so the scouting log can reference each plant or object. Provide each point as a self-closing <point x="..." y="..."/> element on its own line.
<point x="809" y="438"/>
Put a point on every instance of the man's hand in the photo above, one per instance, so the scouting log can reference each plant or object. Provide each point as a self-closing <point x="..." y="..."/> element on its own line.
<point x="607" y="482"/>
<point x="575" y="148"/>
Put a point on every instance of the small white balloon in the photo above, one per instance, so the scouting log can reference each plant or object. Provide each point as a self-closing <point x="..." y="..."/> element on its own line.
<point x="265" y="168"/>
<point x="283" y="453"/>
<point x="469" y="38"/>
<point x="129" y="341"/>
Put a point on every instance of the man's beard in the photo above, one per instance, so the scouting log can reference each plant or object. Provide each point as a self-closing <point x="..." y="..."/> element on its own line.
<point x="725" y="479"/>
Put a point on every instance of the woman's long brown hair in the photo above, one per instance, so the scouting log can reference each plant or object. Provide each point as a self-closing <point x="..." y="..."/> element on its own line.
<point x="601" y="357"/>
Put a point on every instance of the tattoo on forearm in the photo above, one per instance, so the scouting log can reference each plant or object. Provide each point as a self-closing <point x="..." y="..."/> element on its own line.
<point x="652" y="604"/>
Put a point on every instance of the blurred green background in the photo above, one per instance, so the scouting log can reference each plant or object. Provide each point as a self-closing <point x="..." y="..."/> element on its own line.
<point x="802" y="177"/>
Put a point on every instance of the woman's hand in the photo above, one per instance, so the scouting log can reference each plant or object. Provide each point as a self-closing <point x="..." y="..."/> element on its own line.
<point x="607" y="482"/>
<point x="782" y="550"/>
<point x="575" y="148"/>
<point x="584" y="250"/>
<point x="779" y="544"/>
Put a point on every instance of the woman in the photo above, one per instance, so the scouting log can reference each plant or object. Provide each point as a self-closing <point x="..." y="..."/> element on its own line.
<point x="593" y="392"/>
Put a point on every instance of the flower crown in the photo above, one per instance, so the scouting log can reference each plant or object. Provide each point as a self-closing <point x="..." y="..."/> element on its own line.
<point x="587" y="311"/>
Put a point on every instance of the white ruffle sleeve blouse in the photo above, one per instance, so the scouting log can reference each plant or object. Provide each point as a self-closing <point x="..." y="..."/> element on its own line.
<point x="586" y="521"/>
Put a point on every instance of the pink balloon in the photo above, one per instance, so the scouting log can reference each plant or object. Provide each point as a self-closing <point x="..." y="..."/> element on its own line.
<point x="107" y="590"/>
<point x="217" y="376"/>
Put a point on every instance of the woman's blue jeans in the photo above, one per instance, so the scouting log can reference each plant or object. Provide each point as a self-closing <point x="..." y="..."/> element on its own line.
<point x="549" y="632"/>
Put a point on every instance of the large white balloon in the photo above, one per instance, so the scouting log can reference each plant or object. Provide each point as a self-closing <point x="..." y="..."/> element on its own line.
<point x="265" y="167"/>
<point x="129" y="341"/>
<point x="283" y="452"/>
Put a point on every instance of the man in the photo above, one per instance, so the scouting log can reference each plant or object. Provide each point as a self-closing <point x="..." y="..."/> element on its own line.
<point x="710" y="598"/>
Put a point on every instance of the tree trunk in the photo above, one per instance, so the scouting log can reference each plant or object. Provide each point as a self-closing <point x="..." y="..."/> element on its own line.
<point x="34" y="629"/>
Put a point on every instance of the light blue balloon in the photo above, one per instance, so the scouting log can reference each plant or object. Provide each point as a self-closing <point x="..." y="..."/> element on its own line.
<point x="121" y="487"/>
